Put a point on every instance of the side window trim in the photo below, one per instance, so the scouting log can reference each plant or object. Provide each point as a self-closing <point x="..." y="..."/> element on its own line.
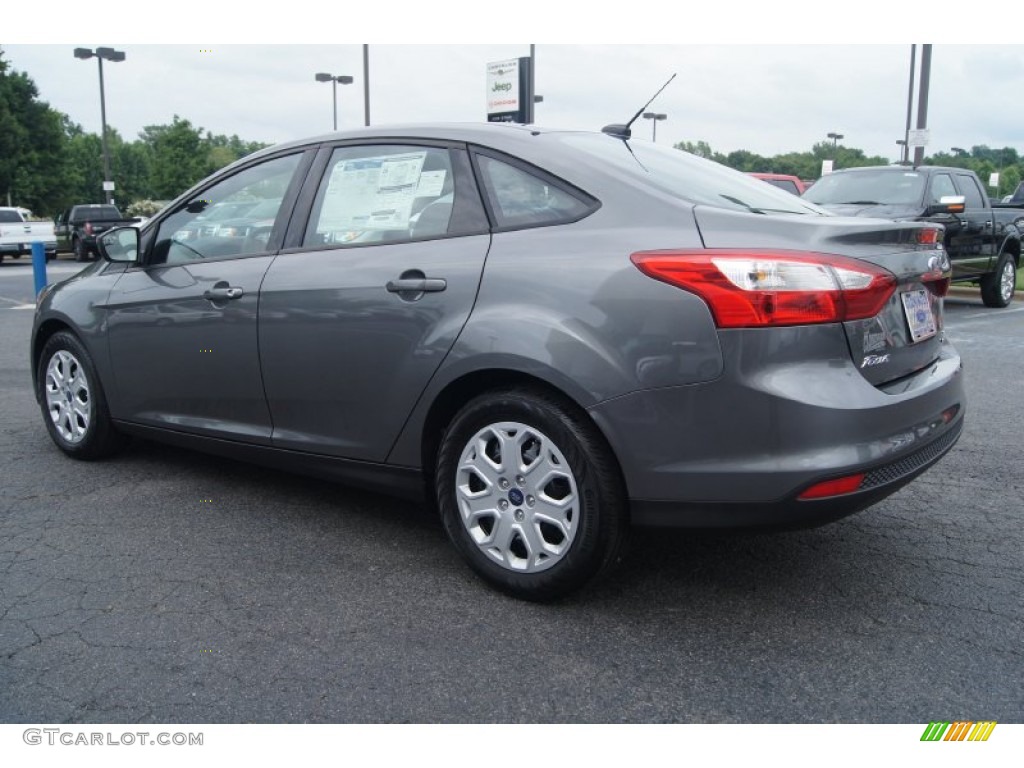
<point x="590" y="203"/>
<point x="306" y="156"/>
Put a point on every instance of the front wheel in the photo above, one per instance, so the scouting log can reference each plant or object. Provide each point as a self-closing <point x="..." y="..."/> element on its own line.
<point x="997" y="289"/>
<point x="529" y="494"/>
<point x="72" y="400"/>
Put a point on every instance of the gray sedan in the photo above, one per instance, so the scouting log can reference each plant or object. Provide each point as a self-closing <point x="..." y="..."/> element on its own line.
<point x="551" y="335"/>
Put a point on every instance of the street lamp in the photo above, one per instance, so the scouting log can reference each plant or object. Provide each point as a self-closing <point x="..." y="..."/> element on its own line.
<point x="902" y="144"/>
<point x="323" y="77"/>
<point x="960" y="151"/>
<point x="654" y="117"/>
<point x="110" y="55"/>
<point x="835" y="140"/>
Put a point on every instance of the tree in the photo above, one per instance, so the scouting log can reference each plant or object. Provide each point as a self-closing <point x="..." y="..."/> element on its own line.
<point x="177" y="157"/>
<point x="31" y="143"/>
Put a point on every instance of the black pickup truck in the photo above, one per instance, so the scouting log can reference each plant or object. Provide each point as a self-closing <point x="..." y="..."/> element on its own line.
<point x="983" y="242"/>
<point x="77" y="227"/>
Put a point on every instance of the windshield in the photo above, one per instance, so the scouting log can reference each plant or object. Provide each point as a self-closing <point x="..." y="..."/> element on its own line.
<point x="689" y="177"/>
<point x="881" y="187"/>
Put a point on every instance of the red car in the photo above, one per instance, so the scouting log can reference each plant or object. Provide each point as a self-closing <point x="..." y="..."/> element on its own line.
<point x="789" y="183"/>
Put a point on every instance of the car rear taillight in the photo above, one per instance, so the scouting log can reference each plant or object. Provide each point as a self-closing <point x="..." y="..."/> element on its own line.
<point x="929" y="236"/>
<point x="88" y="228"/>
<point x="756" y="288"/>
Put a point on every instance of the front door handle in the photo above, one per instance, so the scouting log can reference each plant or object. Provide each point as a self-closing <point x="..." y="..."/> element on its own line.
<point x="222" y="293"/>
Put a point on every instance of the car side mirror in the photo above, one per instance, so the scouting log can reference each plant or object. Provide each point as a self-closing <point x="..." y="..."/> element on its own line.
<point x="119" y="245"/>
<point x="949" y="204"/>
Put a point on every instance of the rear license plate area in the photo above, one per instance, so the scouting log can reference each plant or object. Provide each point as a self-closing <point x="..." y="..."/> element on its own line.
<point x="920" y="318"/>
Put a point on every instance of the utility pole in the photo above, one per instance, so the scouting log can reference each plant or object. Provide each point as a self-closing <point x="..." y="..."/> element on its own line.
<point x="922" y="99"/>
<point x="366" y="84"/>
<point x="910" y="107"/>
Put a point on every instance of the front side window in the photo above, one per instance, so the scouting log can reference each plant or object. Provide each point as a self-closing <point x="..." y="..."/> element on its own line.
<point x="942" y="186"/>
<point x="383" y="194"/>
<point x="234" y="217"/>
<point x="519" y="198"/>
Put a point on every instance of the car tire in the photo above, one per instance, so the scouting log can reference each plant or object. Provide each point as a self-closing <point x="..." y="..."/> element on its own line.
<point x="72" y="400"/>
<point x="997" y="289"/>
<point x="530" y="494"/>
<point x="78" y="248"/>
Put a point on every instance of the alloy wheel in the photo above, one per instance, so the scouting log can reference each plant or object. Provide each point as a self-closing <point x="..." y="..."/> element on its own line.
<point x="517" y="497"/>
<point x="67" y="396"/>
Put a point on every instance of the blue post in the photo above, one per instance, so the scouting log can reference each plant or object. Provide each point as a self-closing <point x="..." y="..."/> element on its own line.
<point x="39" y="265"/>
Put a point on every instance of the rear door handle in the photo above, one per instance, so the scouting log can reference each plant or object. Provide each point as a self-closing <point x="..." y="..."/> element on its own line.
<point x="220" y="294"/>
<point x="417" y="285"/>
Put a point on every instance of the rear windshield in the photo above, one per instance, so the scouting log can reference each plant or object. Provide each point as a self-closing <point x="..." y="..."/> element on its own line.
<point x="95" y="212"/>
<point x="868" y="188"/>
<point x="689" y="177"/>
<point x="786" y="184"/>
<point x="9" y="217"/>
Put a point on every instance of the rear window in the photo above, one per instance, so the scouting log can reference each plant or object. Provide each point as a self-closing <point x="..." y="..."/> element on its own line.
<point x="95" y="212"/>
<point x="868" y="188"/>
<point x="786" y="184"/>
<point x="689" y="177"/>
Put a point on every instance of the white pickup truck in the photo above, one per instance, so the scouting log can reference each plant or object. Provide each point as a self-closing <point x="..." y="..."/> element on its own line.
<point x="17" y="234"/>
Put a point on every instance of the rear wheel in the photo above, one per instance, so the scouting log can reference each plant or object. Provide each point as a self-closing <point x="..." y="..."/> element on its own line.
<point x="530" y="494"/>
<point x="79" y="249"/>
<point x="72" y="400"/>
<point x="997" y="289"/>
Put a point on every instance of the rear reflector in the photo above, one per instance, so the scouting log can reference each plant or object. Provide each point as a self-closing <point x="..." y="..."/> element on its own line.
<point x="757" y="288"/>
<point x="833" y="487"/>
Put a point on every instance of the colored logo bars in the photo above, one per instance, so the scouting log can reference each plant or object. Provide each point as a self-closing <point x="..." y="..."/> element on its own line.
<point x="959" y="731"/>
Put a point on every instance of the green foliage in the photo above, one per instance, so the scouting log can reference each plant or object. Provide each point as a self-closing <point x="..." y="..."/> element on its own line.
<point x="807" y="165"/>
<point x="48" y="163"/>
<point x="145" y="207"/>
<point x="31" y="139"/>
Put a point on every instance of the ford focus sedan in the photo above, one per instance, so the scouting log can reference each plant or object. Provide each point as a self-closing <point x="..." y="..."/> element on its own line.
<point x="550" y="335"/>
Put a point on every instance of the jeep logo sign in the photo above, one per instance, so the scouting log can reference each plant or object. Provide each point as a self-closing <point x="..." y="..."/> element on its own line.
<point x="506" y="83"/>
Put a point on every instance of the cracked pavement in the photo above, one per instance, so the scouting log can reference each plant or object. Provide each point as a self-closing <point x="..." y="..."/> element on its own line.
<point x="126" y="597"/>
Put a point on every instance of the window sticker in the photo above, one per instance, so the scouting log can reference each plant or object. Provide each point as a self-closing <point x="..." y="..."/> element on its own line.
<point x="431" y="183"/>
<point x="371" y="193"/>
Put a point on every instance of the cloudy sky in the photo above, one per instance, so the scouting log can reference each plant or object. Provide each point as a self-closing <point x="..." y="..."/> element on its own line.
<point x="259" y="82"/>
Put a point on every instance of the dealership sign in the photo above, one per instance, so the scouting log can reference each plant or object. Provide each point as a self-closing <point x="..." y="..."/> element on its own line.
<point x="508" y="86"/>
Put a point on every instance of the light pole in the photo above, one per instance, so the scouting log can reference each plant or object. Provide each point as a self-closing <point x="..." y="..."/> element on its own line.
<point x="654" y="117"/>
<point x="323" y="77"/>
<point x="902" y="144"/>
<point x="835" y="142"/>
<point x="110" y="55"/>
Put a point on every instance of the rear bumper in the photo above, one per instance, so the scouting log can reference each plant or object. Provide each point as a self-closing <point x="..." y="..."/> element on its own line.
<point x="21" y="249"/>
<point x="880" y="481"/>
<point x="739" y="451"/>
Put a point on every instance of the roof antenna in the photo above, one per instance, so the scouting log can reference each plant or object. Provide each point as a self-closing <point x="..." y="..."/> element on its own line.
<point x="622" y="131"/>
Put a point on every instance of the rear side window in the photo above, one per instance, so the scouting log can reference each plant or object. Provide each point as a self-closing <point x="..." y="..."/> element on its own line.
<point x="521" y="199"/>
<point x="969" y="189"/>
<point x="9" y="217"/>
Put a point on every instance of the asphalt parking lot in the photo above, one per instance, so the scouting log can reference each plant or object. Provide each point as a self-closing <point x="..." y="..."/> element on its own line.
<point x="168" y="586"/>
